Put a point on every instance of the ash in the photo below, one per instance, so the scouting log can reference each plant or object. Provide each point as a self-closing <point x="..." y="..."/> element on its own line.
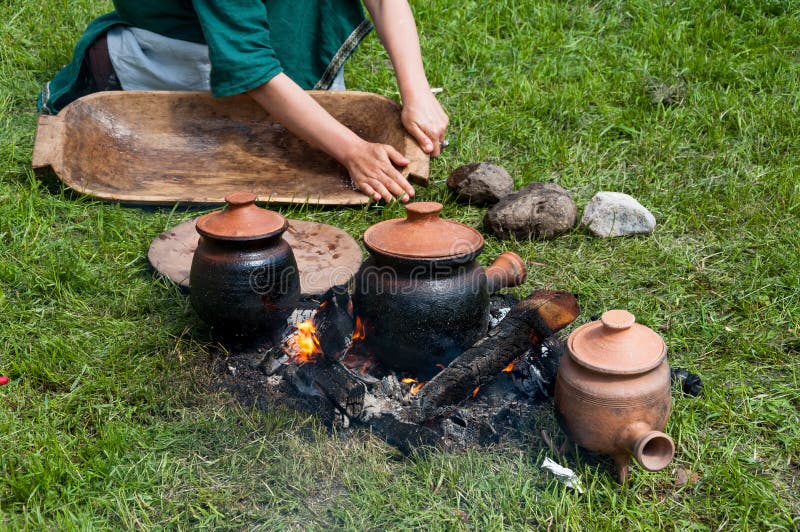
<point x="351" y="392"/>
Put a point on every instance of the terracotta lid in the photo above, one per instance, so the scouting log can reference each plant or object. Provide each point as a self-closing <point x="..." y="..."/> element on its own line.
<point x="242" y="219"/>
<point x="423" y="235"/>
<point x="616" y="345"/>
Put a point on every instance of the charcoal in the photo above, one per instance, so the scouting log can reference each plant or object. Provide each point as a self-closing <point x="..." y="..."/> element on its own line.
<point x="687" y="382"/>
<point x="471" y="402"/>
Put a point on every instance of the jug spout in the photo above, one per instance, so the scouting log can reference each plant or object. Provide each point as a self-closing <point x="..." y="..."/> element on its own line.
<point x="507" y="270"/>
<point x="653" y="449"/>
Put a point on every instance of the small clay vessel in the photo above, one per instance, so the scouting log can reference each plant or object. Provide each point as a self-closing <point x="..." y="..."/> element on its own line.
<point x="612" y="392"/>
<point x="422" y="296"/>
<point x="244" y="276"/>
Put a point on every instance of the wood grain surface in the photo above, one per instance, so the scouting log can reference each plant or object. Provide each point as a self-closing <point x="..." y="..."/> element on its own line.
<point x="153" y="147"/>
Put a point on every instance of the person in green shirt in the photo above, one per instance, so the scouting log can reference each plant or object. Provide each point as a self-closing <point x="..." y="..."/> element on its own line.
<point x="272" y="50"/>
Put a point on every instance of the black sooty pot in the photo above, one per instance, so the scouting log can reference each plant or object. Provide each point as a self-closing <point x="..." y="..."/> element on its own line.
<point x="422" y="297"/>
<point x="244" y="278"/>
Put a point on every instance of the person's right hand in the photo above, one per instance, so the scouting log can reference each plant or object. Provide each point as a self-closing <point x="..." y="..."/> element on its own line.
<point x="372" y="172"/>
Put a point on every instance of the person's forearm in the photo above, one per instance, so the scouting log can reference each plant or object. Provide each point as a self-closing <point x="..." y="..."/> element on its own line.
<point x="371" y="165"/>
<point x="298" y="112"/>
<point x="397" y="30"/>
<point x="422" y="115"/>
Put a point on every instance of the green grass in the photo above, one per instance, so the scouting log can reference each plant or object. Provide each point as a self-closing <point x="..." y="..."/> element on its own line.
<point x="108" y="421"/>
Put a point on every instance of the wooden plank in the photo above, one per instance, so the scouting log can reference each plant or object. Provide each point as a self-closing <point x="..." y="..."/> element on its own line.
<point x="154" y="147"/>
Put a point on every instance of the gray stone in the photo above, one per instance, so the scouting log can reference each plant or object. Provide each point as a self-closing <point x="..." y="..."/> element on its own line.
<point x="480" y="183"/>
<point x="616" y="214"/>
<point x="539" y="210"/>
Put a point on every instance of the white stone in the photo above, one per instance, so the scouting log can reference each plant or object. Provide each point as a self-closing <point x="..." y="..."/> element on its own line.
<point x="616" y="214"/>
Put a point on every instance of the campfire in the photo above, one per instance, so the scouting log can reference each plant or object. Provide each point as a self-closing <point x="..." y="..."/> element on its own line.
<point x="321" y="363"/>
<point x="303" y="345"/>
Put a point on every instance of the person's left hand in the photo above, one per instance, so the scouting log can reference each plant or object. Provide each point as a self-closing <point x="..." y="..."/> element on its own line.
<point x="426" y="121"/>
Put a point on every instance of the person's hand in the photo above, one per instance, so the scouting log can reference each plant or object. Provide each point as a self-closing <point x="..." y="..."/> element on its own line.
<point x="371" y="166"/>
<point x="372" y="172"/>
<point x="426" y="121"/>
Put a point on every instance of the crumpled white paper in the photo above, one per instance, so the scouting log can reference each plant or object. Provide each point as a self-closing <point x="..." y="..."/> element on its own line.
<point x="564" y="474"/>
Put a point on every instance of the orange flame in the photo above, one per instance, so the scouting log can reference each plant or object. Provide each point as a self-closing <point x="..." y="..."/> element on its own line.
<point x="303" y="345"/>
<point x="417" y="385"/>
<point x="475" y="391"/>
<point x="358" y="331"/>
<point x="509" y="368"/>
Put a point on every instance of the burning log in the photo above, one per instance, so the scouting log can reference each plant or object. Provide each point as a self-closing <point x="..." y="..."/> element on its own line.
<point x="334" y="323"/>
<point x="334" y="382"/>
<point x="530" y="321"/>
<point x="343" y="389"/>
<point x="315" y="345"/>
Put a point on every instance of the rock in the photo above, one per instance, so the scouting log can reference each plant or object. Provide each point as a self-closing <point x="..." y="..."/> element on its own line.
<point x="616" y="214"/>
<point x="539" y="210"/>
<point x="480" y="183"/>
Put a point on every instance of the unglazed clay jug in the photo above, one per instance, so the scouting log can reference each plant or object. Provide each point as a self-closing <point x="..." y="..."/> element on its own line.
<point x="422" y="296"/>
<point x="244" y="275"/>
<point x="613" y="392"/>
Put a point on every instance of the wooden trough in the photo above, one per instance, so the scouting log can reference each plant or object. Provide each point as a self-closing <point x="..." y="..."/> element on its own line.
<point x="164" y="148"/>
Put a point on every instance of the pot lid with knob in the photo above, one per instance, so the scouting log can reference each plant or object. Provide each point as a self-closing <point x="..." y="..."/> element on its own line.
<point x="616" y="345"/>
<point x="241" y="219"/>
<point x="423" y="235"/>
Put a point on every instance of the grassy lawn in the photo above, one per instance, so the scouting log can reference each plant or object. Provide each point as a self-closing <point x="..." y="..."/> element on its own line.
<point x="692" y="107"/>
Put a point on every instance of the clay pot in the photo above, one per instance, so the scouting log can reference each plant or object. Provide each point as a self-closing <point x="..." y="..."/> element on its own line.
<point x="244" y="276"/>
<point x="422" y="297"/>
<point x="612" y="392"/>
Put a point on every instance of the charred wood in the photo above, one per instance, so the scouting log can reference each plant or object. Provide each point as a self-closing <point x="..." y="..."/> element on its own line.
<point x="334" y="323"/>
<point x="535" y="372"/>
<point x="549" y="311"/>
<point x="404" y="435"/>
<point x="334" y="382"/>
<point x="530" y="321"/>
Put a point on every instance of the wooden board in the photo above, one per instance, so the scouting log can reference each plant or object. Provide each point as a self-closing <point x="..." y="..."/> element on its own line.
<point x="326" y="256"/>
<point x="154" y="147"/>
